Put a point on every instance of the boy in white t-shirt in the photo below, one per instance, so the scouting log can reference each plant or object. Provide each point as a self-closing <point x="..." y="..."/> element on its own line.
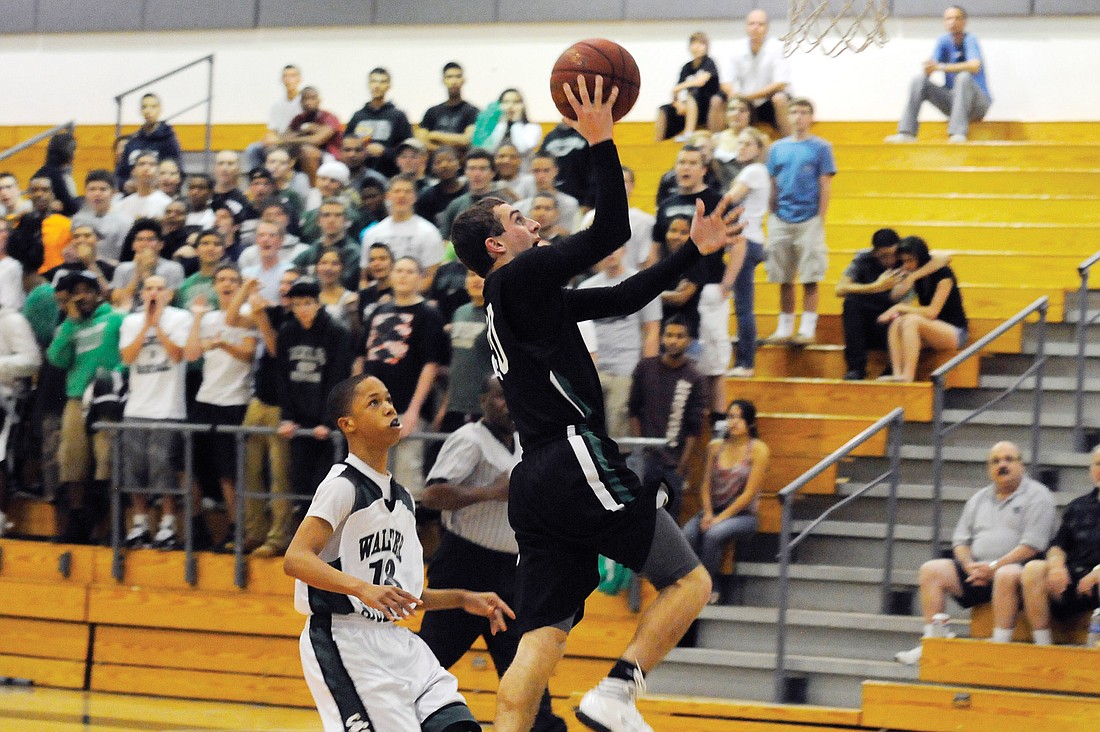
<point x="359" y="567"/>
<point x="228" y="354"/>
<point x="151" y="343"/>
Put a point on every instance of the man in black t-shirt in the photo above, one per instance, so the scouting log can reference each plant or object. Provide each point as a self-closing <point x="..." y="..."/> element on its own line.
<point x="452" y="122"/>
<point x="572" y="497"/>
<point x="697" y="93"/>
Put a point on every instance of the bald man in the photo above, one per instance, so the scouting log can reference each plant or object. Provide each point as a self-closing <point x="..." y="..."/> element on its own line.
<point x="760" y="72"/>
<point x="1002" y="526"/>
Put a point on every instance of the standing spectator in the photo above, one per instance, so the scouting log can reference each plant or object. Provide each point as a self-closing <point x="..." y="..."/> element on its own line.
<point x="129" y="277"/>
<point x="12" y="204"/>
<point x="406" y="234"/>
<point x="451" y="122"/>
<point x="622" y="341"/>
<point x="200" y="215"/>
<point x="505" y="121"/>
<point x="683" y="301"/>
<point x="640" y="251"/>
<point x="512" y="182"/>
<point x="227" y="354"/>
<point x="147" y="201"/>
<point x="333" y="223"/>
<point x="480" y="170"/>
<point x="11" y="273"/>
<point x="312" y="133"/>
<point x="169" y="177"/>
<point x="227" y="181"/>
<point x="151" y="343"/>
<point x="937" y="321"/>
<point x="283" y="110"/>
<point x="380" y="123"/>
<point x="266" y="457"/>
<point x="412" y="160"/>
<point x="59" y="169"/>
<point x="668" y="399"/>
<point x="702" y="141"/>
<point x="405" y="347"/>
<point x="82" y="254"/>
<point x="273" y="211"/>
<point x="1064" y="583"/>
<point x="964" y="97"/>
<point x="270" y="265"/>
<point x="575" y="174"/>
<point x="760" y="72"/>
<point x="434" y="200"/>
<point x="379" y="286"/>
<point x="290" y="186"/>
<point x="314" y="354"/>
<point x="112" y="226"/>
<point x="211" y="251"/>
<point x="469" y="483"/>
<point x="697" y="92"/>
<point x="332" y="182"/>
<point x="544" y="169"/>
<point x="353" y="153"/>
<point x="372" y="209"/>
<point x="544" y="210"/>
<point x="1002" y="526"/>
<point x="734" y="474"/>
<point x="470" y="361"/>
<point x="341" y="303"/>
<point x="19" y="362"/>
<point x="752" y="188"/>
<point x="40" y="236"/>
<point x="727" y="143"/>
<point x="153" y="135"/>
<point x="802" y="170"/>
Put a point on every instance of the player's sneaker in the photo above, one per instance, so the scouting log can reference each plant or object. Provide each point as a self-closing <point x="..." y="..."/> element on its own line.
<point x="138" y="536"/>
<point x="910" y="657"/>
<point x="610" y="706"/>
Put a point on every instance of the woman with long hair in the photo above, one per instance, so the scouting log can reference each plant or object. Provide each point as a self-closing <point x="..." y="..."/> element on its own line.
<point x="505" y="120"/>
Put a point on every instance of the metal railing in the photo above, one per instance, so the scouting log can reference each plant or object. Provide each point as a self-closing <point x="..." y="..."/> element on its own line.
<point x="939" y="381"/>
<point x="208" y="100"/>
<point x="1083" y="321"/>
<point x="892" y="421"/>
<point x="31" y="142"/>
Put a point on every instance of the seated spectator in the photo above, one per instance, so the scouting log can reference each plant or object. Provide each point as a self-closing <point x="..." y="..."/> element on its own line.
<point x="379" y="287"/>
<point x="964" y="97"/>
<point x="227" y="181"/>
<point x="471" y="360"/>
<point x="450" y="122"/>
<point x="19" y="363"/>
<point x="353" y="153"/>
<point x="227" y="355"/>
<point x="434" y="200"/>
<point x="177" y="239"/>
<point x="152" y="343"/>
<point x="1002" y="526"/>
<point x="640" y="252"/>
<point x="153" y="136"/>
<point x="412" y="160"/>
<point x="82" y="253"/>
<point x="127" y="281"/>
<point x="1063" y="584"/>
<point x="283" y="110"/>
<point x="697" y="92"/>
<point x="313" y="134"/>
<point x="761" y="74"/>
<point x="727" y="143"/>
<point x="169" y="177"/>
<point x="147" y="201"/>
<point x="544" y="169"/>
<point x="383" y="125"/>
<point x="112" y="226"/>
<point x="732" y="479"/>
<point x="58" y="168"/>
<point x="668" y="399"/>
<point x="11" y="273"/>
<point x="341" y="303"/>
<point x="505" y="121"/>
<point x="12" y="203"/>
<point x="480" y="170"/>
<point x="405" y="233"/>
<point x="682" y="301"/>
<point x="448" y="289"/>
<point x="544" y="210"/>
<point x="225" y="223"/>
<point x="938" y="321"/>
<point x="752" y="188"/>
<point x="200" y="216"/>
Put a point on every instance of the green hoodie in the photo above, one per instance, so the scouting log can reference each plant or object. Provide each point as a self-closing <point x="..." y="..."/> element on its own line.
<point x="83" y="347"/>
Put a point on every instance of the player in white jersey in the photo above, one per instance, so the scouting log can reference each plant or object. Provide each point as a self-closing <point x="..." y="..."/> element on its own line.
<point x="359" y="567"/>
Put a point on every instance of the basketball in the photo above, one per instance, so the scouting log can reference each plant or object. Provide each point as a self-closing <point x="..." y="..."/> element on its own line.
<point x="591" y="58"/>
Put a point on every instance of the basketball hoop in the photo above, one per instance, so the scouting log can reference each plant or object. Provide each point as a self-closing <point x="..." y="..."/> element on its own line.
<point x="836" y="26"/>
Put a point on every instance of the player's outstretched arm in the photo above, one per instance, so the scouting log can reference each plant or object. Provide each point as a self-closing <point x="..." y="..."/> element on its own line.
<point x="594" y="121"/>
<point x="303" y="561"/>
<point x="718" y="229"/>
<point x="485" y="604"/>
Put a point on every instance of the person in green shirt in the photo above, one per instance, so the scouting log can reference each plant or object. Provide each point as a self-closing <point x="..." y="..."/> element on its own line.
<point x="85" y="346"/>
<point x="210" y="250"/>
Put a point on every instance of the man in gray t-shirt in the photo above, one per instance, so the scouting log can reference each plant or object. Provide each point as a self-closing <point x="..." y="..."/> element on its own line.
<point x="1002" y="526"/>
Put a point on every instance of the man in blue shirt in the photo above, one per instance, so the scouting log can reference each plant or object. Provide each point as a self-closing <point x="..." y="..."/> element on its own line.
<point x="802" y="170"/>
<point x="964" y="97"/>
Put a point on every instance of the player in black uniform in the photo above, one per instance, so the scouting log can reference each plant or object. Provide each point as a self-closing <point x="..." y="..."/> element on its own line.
<point x="572" y="496"/>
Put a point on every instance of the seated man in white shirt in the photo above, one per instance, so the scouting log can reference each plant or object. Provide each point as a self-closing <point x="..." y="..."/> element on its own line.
<point x="760" y="72"/>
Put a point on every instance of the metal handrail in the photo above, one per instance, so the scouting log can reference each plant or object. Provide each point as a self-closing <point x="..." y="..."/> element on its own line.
<point x="208" y="100"/>
<point x="1083" y="321"/>
<point x="31" y="142"/>
<point x="939" y="380"/>
<point x="894" y="421"/>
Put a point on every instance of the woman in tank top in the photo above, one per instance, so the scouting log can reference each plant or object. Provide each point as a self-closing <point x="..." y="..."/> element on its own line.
<point x="736" y="465"/>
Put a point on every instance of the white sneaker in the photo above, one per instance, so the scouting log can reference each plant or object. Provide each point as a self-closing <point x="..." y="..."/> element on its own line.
<point x="910" y="657"/>
<point x="741" y="372"/>
<point x="138" y="536"/>
<point x="900" y="137"/>
<point x="610" y="706"/>
<point x="957" y="139"/>
<point x="4" y="523"/>
<point x="778" y="339"/>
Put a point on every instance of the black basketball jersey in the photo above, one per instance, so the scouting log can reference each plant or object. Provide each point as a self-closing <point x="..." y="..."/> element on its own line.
<point x="548" y="376"/>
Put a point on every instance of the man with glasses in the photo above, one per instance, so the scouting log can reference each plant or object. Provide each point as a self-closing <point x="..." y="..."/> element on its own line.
<point x="1002" y="526"/>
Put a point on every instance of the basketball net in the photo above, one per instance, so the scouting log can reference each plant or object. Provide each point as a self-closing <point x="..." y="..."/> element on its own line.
<point x="836" y="26"/>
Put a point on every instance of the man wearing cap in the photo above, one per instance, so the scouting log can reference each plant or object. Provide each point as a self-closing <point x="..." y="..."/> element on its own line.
<point x="314" y="353"/>
<point x="85" y="344"/>
<point x="314" y="132"/>
<point x="332" y="182"/>
<point x="867" y="287"/>
<point x="412" y="159"/>
<point x="452" y="122"/>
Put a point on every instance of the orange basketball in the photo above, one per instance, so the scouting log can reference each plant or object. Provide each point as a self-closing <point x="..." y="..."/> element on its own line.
<point x="591" y="58"/>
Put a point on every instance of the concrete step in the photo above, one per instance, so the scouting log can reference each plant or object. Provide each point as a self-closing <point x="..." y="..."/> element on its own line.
<point x="862" y="544"/>
<point x="840" y="587"/>
<point x="1058" y="394"/>
<point x="985" y="434"/>
<point x="1061" y="366"/>
<point x="743" y="675"/>
<point x="1093" y="299"/>
<point x="913" y="505"/>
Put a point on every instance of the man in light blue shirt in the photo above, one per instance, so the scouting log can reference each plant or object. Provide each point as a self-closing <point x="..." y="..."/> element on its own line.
<point x="964" y="97"/>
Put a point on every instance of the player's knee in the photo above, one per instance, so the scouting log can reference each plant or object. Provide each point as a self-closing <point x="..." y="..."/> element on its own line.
<point x="696" y="586"/>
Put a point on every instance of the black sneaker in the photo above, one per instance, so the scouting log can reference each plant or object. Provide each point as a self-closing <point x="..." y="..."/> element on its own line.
<point x="854" y="375"/>
<point x="166" y="539"/>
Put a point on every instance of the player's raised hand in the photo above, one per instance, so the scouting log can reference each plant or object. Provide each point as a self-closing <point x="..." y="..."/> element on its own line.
<point x="488" y="605"/>
<point x="594" y="120"/>
<point x="718" y="229"/>
<point x="393" y="602"/>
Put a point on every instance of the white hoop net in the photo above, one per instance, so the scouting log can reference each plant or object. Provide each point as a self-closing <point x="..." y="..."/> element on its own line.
<point x="836" y="26"/>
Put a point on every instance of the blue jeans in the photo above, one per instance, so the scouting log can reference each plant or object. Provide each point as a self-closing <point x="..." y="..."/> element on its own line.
<point x="744" y="297"/>
<point x="709" y="545"/>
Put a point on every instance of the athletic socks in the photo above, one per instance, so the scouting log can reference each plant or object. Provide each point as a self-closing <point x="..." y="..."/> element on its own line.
<point x="785" y="327"/>
<point x="1003" y="635"/>
<point x="625" y="670"/>
<point x="1042" y="637"/>
<point x="808" y="327"/>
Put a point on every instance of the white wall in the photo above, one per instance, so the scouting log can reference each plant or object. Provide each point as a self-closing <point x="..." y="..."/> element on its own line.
<point x="1039" y="69"/>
